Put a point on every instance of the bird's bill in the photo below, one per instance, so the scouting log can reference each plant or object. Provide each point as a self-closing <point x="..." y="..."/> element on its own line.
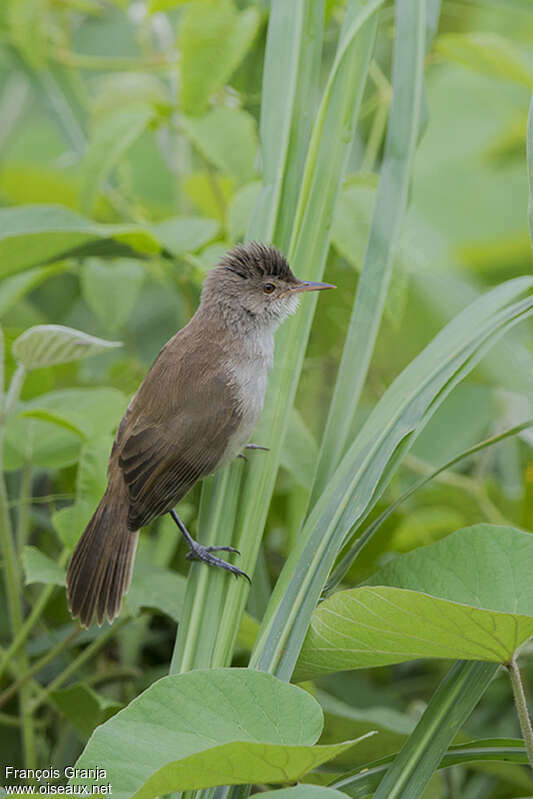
<point x="307" y="285"/>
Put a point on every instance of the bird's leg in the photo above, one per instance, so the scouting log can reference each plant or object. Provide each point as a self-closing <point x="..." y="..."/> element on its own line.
<point x="257" y="446"/>
<point x="200" y="552"/>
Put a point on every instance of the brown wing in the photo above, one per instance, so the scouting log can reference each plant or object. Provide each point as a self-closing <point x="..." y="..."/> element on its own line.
<point x="173" y="438"/>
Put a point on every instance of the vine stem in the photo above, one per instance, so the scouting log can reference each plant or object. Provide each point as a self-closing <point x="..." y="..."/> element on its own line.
<point x="521" y="708"/>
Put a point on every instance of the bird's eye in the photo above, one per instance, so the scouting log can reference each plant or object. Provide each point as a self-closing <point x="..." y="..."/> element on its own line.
<point x="268" y="288"/>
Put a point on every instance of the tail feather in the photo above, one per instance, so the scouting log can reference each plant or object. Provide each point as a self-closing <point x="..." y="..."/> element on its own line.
<point x="99" y="572"/>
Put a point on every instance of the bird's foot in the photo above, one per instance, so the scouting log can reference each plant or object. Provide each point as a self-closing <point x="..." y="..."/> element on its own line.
<point x="204" y="554"/>
<point x="257" y="446"/>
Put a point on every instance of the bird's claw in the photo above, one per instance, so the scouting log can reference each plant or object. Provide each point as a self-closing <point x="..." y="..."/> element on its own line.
<point x="257" y="446"/>
<point x="203" y="554"/>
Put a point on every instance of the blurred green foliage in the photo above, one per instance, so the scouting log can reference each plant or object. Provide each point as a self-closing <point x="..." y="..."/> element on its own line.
<point x="129" y="161"/>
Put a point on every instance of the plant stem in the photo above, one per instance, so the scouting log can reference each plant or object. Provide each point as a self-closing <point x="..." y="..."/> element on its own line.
<point x="521" y="707"/>
<point x="37" y="666"/>
<point x="87" y="654"/>
<point x="23" y="514"/>
<point x="30" y="620"/>
<point x="12" y="577"/>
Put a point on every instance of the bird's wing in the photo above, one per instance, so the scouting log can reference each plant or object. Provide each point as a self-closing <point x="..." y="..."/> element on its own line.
<point x="161" y="457"/>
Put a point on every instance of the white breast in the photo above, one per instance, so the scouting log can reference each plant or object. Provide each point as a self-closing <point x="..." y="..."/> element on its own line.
<point x="249" y="373"/>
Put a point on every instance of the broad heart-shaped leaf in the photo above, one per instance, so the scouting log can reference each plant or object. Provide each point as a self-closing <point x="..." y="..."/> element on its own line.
<point x="83" y="707"/>
<point x="39" y="568"/>
<point x="15" y="287"/>
<point x="110" y="138"/>
<point x="205" y="728"/>
<point x="35" y="234"/>
<point x="89" y="412"/>
<point x="111" y="289"/>
<point x="468" y="596"/>
<point x="227" y="137"/>
<point x="47" y="345"/>
<point x="213" y="39"/>
<point x="183" y="234"/>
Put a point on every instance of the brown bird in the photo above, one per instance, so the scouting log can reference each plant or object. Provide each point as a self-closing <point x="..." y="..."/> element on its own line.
<point x="193" y="412"/>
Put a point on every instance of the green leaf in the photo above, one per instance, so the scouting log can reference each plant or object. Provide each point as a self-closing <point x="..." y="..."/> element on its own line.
<point x="39" y="568"/>
<point x="26" y="21"/>
<point x="207" y="728"/>
<point x="112" y="135"/>
<point x="447" y="711"/>
<point x="488" y="53"/>
<point x="47" y="345"/>
<point x="300" y="450"/>
<point x="164" y="5"/>
<point x="292" y="60"/>
<point x="34" y="234"/>
<point x="12" y="289"/>
<point x="227" y="137"/>
<point x="84" y="708"/>
<point x="371" y="461"/>
<point x="468" y="596"/>
<point x="344" y="721"/>
<point x="91" y="481"/>
<point x="304" y="792"/>
<point x="213" y="39"/>
<point x="349" y="236"/>
<point x="183" y="234"/>
<point x="317" y="193"/>
<point x="366" y="779"/>
<point x="530" y="168"/>
<point x="387" y="221"/>
<point x="241" y="208"/>
<point x="89" y="412"/>
<point x="111" y="290"/>
<point x="156" y="587"/>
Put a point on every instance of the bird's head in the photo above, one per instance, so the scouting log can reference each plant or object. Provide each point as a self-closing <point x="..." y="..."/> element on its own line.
<point x="255" y="280"/>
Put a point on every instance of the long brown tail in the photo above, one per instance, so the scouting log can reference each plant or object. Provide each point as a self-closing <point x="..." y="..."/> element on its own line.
<point x="99" y="572"/>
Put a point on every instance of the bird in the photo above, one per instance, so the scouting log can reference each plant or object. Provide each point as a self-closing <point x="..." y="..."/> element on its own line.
<point x="193" y="413"/>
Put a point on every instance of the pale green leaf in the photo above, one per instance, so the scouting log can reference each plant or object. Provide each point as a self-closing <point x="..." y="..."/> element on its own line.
<point x="488" y="53"/>
<point x="165" y="5"/>
<point x="206" y="728"/>
<point x="34" y="234"/>
<point x="111" y="137"/>
<point x="69" y="523"/>
<point x="468" y="596"/>
<point x="46" y="345"/>
<point x="12" y="289"/>
<point x="213" y="39"/>
<point x="26" y="20"/>
<point x="111" y="290"/>
<point x="88" y="412"/>
<point x="211" y="255"/>
<point x="156" y="587"/>
<point x="227" y="137"/>
<point x="183" y="234"/>
<point x="300" y="450"/>
<point x="39" y="568"/>
<point x="91" y="481"/>
<point x="240" y="210"/>
<point x="349" y="236"/>
<point x="83" y="707"/>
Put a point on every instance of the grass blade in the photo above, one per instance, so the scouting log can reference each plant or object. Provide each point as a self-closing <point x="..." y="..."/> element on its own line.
<point x="369" y="464"/>
<point x="365" y="779"/>
<point x="348" y="559"/>
<point x="307" y="252"/>
<point x="449" y="708"/>
<point x="387" y="221"/>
